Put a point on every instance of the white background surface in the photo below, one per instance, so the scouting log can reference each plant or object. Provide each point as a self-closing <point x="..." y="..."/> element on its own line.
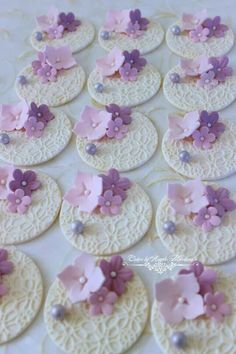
<point x="51" y="251"/>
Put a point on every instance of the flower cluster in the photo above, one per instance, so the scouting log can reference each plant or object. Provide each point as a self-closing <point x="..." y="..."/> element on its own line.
<point x="31" y="120"/>
<point x="190" y="295"/>
<point x="104" y="192"/>
<point x="56" y="24"/>
<point x="126" y="65"/>
<point x="98" y="286"/>
<point x="129" y="22"/>
<point x="51" y="62"/>
<point x="6" y="267"/>
<point x="200" y="27"/>
<point x="203" y="204"/>
<point x="202" y="128"/>
<point x="96" y="124"/>
<point x="16" y="187"/>
<point x="208" y="72"/>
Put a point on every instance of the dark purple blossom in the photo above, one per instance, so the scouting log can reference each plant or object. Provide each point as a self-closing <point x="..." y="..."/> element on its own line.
<point x="68" y="21"/>
<point x="210" y="120"/>
<point x="133" y="58"/>
<point x="113" y="181"/>
<point x="215" y="27"/>
<point x="42" y="113"/>
<point x="27" y="181"/>
<point x="135" y="16"/>
<point x="220" y="67"/>
<point x="220" y="200"/>
<point x="120" y="112"/>
<point x="6" y="266"/>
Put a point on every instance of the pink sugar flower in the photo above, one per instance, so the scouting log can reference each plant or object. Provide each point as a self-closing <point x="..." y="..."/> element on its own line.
<point x="55" y="31"/>
<point x="5" y="177"/>
<point x="111" y="63"/>
<point x="59" y="58"/>
<point x="199" y="34"/>
<point x="110" y="204"/>
<point x="46" y="21"/>
<point x="203" y="138"/>
<point x="34" y="128"/>
<point x="180" y="128"/>
<point x="197" y="66"/>
<point x="13" y="116"/>
<point x="18" y="202"/>
<point x="190" y="21"/>
<point x="216" y="307"/>
<point x="116" y="129"/>
<point x="117" y="21"/>
<point x="47" y="73"/>
<point x="207" y="218"/>
<point x="102" y="302"/>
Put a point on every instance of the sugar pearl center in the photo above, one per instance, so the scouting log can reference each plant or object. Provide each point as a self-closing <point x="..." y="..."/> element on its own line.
<point x="116" y="129"/>
<point x="202" y="138"/>
<point x="207" y="81"/>
<point x="17" y="201"/>
<point x="108" y="203"/>
<point x="24" y="183"/>
<point x="82" y="280"/>
<point x="87" y="192"/>
<point x="94" y="125"/>
<point x="3" y="181"/>
<point x="181" y="300"/>
<point x="39" y="114"/>
<point x="207" y="216"/>
<point x="213" y="307"/>
<point x="113" y="274"/>
<point x="100" y="298"/>
<point x="187" y="200"/>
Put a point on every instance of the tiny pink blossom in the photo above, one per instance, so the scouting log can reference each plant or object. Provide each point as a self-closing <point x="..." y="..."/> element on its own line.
<point x="102" y="302"/>
<point x="216" y="307"/>
<point x="117" y="21"/>
<point x="93" y="123"/>
<point x="116" y="129"/>
<point x="207" y="218"/>
<point x="47" y="73"/>
<point x="203" y="138"/>
<point x="128" y="73"/>
<point x="180" y="128"/>
<point x="13" y="116"/>
<point x="34" y="128"/>
<point x="5" y="178"/>
<point x="111" y="63"/>
<point x="55" y="31"/>
<point x="18" y="202"/>
<point x="133" y="30"/>
<point x="46" y="21"/>
<point x="81" y="278"/>
<point x="85" y="192"/>
<point x="59" y="58"/>
<point x="199" y="34"/>
<point x="110" y="204"/>
<point x="207" y="80"/>
<point x="190" y="21"/>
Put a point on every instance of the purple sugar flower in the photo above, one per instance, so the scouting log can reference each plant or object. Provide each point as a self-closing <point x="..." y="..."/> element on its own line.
<point x="18" y="202"/>
<point x="216" y="307"/>
<point x="207" y="80"/>
<point x="116" y="274"/>
<point x="114" y="182"/>
<point x="207" y="218"/>
<point x="210" y="120"/>
<point x="133" y="30"/>
<point x="133" y="58"/>
<point x="24" y="180"/>
<point x="55" y="31"/>
<point x="33" y="127"/>
<point x="109" y="203"/>
<point x="220" y="200"/>
<point x="199" y="34"/>
<point x="39" y="63"/>
<point x="6" y="266"/>
<point x="215" y="27"/>
<point x="120" y="112"/>
<point x="220" y="67"/>
<point x="68" y="21"/>
<point x="42" y="113"/>
<point x="116" y="129"/>
<point x="47" y="73"/>
<point x="203" y="138"/>
<point x="128" y="73"/>
<point x="102" y="302"/>
<point x="135" y="16"/>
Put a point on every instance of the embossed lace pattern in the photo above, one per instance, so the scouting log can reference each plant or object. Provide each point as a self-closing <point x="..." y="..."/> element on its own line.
<point x="148" y="41"/>
<point x="183" y="46"/>
<point x="19" y="307"/>
<point x="79" y="333"/>
<point x="105" y="234"/>
<point x="25" y="151"/>
<point x="77" y="40"/>
<point x="217" y="246"/>
<point x="126" y="154"/>
<point x="68" y="85"/>
<point x="217" y="162"/>
<point x="126" y="93"/>
<point x="204" y="335"/>
<point x="16" y="228"/>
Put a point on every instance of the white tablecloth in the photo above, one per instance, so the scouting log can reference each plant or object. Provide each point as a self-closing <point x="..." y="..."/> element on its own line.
<point x="51" y="251"/>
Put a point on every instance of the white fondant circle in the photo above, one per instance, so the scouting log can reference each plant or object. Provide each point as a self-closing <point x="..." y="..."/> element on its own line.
<point x="80" y="333"/>
<point x="68" y="85"/>
<point x="104" y="234"/>
<point x="147" y="42"/>
<point x="188" y="97"/>
<point x="76" y="40"/>
<point x="215" y="163"/>
<point x="20" y="305"/>
<point x="125" y="93"/>
<point x="183" y="46"/>
<point x="25" y="151"/>
<point x="132" y="151"/>
<point x="191" y="242"/>
<point x="46" y="201"/>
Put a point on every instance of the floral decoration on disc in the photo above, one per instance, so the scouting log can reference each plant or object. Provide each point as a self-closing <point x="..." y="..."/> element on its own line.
<point x="21" y="293"/>
<point x="99" y="211"/>
<point x="197" y="221"/>
<point x="128" y="30"/>
<point x="201" y="83"/>
<point x="197" y="300"/>
<point x="54" y="78"/>
<point x="116" y="137"/>
<point x="31" y="134"/>
<point x="29" y="204"/>
<point x="200" y="144"/>
<point x="197" y="34"/>
<point x="60" y="28"/>
<point x="91" y="300"/>
<point x="124" y="78"/>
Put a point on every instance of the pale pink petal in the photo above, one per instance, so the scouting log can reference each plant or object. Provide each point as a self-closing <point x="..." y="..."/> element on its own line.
<point x="107" y="309"/>
<point x="165" y="289"/>
<point x="95" y="310"/>
<point x="171" y="314"/>
<point x="68" y="276"/>
<point x="187" y="284"/>
<point x="96" y="279"/>
<point x="194" y="308"/>
<point x="111" y="297"/>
